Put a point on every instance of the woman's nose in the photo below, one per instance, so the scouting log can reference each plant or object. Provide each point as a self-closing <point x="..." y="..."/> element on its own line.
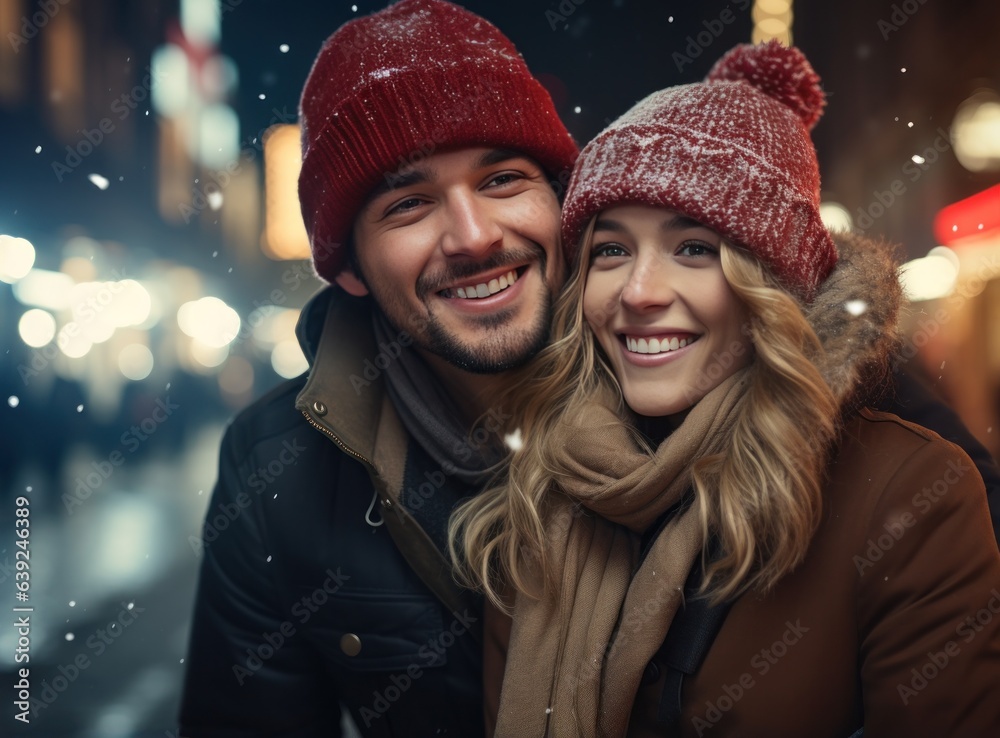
<point x="648" y="286"/>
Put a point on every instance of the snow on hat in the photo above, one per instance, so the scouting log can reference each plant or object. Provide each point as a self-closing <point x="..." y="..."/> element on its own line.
<point x="732" y="152"/>
<point x="387" y="90"/>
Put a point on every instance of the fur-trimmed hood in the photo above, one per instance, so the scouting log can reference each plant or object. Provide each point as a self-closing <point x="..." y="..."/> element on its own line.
<point x="856" y="316"/>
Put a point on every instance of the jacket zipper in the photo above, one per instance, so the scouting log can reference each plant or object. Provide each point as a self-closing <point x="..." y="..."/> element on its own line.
<point x="343" y="446"/>
<point x="346" y="449"/>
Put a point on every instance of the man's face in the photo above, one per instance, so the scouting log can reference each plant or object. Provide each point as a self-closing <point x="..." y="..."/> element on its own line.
<point x="461" y="251"/>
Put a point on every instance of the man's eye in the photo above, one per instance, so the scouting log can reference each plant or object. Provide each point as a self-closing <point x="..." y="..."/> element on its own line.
<point x="502" y="179"/>
<point x="404" y="205"/>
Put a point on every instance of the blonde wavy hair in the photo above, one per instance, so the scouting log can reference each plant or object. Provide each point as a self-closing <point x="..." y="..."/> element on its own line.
<point x="761" y="499"/>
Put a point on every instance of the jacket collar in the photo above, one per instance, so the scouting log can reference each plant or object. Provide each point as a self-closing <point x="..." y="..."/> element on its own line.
<point x="855" y="315"/>
<point x="344" y="391"/>
<point x="344" y="397"/>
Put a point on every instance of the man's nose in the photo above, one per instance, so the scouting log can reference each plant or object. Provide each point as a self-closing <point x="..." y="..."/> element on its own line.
<point x="472" y="228"/>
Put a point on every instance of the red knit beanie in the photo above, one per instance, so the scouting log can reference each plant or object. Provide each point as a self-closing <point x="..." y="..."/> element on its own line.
<point x="732" y="152"/>
<point x="387" y="90"/>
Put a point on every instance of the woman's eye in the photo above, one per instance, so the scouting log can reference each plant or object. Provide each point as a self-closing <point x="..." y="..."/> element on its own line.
<point x="695" y="248"/>
<point x="608" y="250"/>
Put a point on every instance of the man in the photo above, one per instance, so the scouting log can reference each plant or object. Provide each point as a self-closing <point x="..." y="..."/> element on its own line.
<point x="428" y="149"/>
<point x="428" y="155"/>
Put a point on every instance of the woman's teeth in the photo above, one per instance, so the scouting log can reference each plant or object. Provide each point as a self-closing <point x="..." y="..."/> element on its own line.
<point x="655" y="345"/>
<point x="485" y="289"/>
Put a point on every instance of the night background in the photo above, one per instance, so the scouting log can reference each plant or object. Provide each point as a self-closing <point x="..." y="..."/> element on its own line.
<point x="153" y="262"/>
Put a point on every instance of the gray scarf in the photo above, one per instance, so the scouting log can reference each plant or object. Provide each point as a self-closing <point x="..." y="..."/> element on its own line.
<point x="430" y="416"/>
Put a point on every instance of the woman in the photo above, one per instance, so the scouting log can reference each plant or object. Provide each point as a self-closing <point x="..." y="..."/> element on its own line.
<point x="702" y="412"/>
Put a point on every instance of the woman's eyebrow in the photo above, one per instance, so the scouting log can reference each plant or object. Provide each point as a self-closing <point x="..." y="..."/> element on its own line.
<point x="677" y="223"/>
<point x="606" y="224"/>
<point x="681" y="223"/>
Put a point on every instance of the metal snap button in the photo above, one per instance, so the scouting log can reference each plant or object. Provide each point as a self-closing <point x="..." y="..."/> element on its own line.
<point x="319" y="408"/>
<point x="350" y="644"/>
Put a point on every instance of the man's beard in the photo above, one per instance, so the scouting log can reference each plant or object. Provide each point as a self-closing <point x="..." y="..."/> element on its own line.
<point x="501" y="352"/>
<point x="507" y="348"/>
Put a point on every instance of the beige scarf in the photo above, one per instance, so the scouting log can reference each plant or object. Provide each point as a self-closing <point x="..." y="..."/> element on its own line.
<point x="575" y="661"/>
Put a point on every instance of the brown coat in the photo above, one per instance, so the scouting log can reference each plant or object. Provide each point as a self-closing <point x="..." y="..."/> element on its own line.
<point x="892" y="621"/>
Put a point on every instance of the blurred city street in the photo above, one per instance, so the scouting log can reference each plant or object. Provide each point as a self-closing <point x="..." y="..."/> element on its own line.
<point x="153" y="265"/>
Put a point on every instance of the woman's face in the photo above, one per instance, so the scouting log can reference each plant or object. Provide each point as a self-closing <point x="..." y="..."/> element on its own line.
<point x="661" y="308"/>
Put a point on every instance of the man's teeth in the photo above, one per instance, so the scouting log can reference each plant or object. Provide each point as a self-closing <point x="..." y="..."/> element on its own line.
<point x="655" y="345"/>
<point x="485" y="289"/>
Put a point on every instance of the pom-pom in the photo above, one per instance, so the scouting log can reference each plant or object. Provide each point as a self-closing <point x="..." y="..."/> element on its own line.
<point x="778" y="71"/>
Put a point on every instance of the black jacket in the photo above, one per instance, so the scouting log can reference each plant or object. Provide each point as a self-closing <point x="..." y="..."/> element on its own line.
<point x="304" y="599"/>
<point x="304" y="602"/>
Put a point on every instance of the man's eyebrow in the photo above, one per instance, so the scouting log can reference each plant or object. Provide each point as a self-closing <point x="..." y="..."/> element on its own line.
<point x="394" y="181"/>
<point x="497" y="156"/>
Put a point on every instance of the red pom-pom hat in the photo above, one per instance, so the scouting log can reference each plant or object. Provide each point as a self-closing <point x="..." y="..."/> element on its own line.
<point x="733" y="152"/>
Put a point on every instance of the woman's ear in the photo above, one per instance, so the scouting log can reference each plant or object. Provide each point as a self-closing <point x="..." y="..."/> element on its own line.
<point x="348" y="281"/>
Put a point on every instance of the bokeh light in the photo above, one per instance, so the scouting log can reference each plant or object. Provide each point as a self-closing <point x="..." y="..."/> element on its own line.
<point x="236" y="377"/>
<point x="207" y="356"/>
<point x="930" y="277"/>
<point x="17" y="256"/>
<point x="45" y="289"/>
<point x="836" y="217"/>
<point x="37" y="327"/>
<point x="73" y="342"/>
<point x="210" y="321"/>
<point x="135" y="362"/>
<point x="288" y="360"/>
